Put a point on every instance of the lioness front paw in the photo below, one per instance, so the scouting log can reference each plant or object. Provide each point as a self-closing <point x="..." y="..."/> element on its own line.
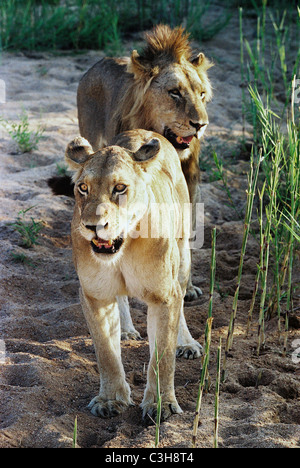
<point x="190" y="351"/>
<point x="167" y="409"/>
<point x="107" y="408"/>
<point x="192" y="293"/>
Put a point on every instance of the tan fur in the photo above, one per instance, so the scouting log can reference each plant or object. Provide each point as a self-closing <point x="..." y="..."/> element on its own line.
<point x="116" y="95"/>
<point x="154" y="269"/>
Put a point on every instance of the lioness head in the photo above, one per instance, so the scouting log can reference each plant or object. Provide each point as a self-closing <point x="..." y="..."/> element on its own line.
<point x="173" y="86"/>
<point x="109" y="189"/>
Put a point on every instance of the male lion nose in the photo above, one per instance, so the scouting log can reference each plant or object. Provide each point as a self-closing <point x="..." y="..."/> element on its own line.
<point x="198" y="125"/>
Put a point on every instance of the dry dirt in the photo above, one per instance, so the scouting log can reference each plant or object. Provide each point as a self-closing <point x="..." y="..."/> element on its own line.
<point x="48" y="373"/>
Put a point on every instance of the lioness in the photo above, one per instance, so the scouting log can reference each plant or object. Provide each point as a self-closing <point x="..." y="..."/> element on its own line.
<point x="117" y="190"/>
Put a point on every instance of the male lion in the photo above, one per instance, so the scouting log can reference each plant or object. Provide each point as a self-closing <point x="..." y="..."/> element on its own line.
<point x="164" y="89"/>
<point x="117" y="190"/>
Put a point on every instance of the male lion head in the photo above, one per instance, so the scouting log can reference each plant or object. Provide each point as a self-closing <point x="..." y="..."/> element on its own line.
<point x="170" y="89"/>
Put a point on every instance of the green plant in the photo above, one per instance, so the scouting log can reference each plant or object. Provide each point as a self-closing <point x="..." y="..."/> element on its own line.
<point x="97" y="24"/>
<point x="62" y="169"/>
<point x="205" y="360"/>
<point x="158" y="395"/>
<point x="270" y="108"/>
<point x="26" y="139"/>
<point x="263" y="57"/>
<point x="74" y="443"/>
<point x="281" y="168"/>
<point x="19" y="257"/>
<point x="252" y="181"/>
<point x="217" y="396"/>
<point x="29" y="230"/>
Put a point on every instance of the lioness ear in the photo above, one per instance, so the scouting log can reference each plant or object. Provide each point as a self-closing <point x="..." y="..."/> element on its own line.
<point x="148" y="150"/>
<point x="77" y="152"/>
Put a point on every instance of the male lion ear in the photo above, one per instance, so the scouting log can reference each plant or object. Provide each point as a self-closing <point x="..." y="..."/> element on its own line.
<point x="201" y="61"/>
<point x="148" y="150"/>
<point x="77" y="152"/>
<point x="141" y="68"/>
<point x="135" y="66"/>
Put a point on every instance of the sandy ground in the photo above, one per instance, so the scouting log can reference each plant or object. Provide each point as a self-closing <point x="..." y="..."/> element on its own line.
<point x="48" y="373"/>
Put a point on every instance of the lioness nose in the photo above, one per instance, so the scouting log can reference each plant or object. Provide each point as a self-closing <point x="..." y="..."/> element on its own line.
<point x="94" y="228"/>
<point x="198" y="125"/>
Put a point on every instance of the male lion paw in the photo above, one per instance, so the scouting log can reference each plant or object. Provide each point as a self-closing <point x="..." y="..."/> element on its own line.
<point x="190" y="351"/>
<point x="192" y="293"/>
<point x="107" y="408"/>
<point x="167" y="409"/>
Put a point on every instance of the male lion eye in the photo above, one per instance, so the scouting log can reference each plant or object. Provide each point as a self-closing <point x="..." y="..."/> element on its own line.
<point x="120" y="188"/>
<point x="175" y="93"/>
<point x="83" y="189"/>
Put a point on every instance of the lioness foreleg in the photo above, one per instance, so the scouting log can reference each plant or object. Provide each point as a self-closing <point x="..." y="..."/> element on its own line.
<point x="163" y="321"/>
<point x="104" y="324"/>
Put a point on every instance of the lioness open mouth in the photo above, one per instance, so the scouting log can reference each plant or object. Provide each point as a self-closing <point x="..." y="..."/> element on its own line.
<point x="177" y="141"/>
<point x="101" y="246"/>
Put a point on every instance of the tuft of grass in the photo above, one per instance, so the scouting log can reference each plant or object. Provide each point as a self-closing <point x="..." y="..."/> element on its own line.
<point x="62" y="169"/>
<point x="263" y="57"/>
<point x="269" y="105"/>
<point x="20" y="257"/>
<point x="28" y="230"/>
<point x="98" y="24"/>
<point x="26" y="139"/>
<point x="281" y="169"/>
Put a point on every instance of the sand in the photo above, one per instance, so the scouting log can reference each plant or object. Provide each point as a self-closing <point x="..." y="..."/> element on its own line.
<point x="48" y="371"/>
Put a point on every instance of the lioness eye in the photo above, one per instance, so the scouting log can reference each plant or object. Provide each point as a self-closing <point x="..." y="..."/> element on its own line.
<point x="83" y="189"/>
<point x="175" y="93"/>
<point x="120" y="188"/>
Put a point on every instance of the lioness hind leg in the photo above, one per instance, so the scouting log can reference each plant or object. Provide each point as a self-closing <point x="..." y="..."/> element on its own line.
<point x="163" y="323"/>
<point x="128" y="332"/>
<point x="187" y="347"/>
<point x="104" y="324"/>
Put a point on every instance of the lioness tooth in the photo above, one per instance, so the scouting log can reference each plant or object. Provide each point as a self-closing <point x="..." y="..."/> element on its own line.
<point x="179" y="139"/>
<point x="95" y="241"/>
<point x="110" y="242"/>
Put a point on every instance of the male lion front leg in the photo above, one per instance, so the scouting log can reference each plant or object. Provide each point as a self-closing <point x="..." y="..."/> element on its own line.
<point x="104" y="324"/>
<point x="163" y="321"/>
<point x="192" y="291"/>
